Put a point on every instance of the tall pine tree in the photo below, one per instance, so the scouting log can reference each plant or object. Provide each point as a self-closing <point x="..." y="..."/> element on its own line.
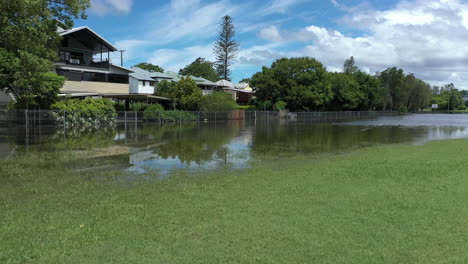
<point x="225" y="48"/>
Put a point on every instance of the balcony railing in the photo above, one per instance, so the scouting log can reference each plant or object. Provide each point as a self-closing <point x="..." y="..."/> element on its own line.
<point x="95" y="63"/>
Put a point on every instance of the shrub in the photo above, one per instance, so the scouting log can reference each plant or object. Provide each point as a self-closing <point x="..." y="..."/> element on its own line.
<point x="156" y="113"/>
<point x="278" y="106"/>
<point x="85" y="113"/>
<point x="152" y="112"/>
<point x="218" y="101"/>
<point x="242" y="107"/>
<point x="138" y="106"/>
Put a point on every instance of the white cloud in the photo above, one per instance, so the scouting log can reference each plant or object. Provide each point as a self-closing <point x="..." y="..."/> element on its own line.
<point x="102" y="7"/>
<point x="173" y="60"/>
<point x="185" y="20"/>
<point x="271" y="33"/>
<point x="279" y="6"/>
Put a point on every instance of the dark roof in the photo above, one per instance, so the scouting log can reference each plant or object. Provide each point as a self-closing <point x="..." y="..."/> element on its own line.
<point x="89" y="38"/>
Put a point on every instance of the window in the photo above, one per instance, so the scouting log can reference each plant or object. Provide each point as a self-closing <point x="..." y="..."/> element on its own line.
<point x="64" y="56"/>
<point x="144" y="83"/>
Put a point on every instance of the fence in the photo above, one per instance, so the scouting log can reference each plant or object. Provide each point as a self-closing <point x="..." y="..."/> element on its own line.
<point x="62" y="118"/>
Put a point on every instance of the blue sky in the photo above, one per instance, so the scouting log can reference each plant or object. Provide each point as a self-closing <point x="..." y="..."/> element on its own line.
<point x="425" y="37"/>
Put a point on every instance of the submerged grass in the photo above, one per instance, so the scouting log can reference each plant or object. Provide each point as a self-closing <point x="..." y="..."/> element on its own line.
<point x="384" y="204"/>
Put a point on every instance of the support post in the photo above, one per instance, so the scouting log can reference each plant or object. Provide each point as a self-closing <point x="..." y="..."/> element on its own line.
<point x="26" y="117"/>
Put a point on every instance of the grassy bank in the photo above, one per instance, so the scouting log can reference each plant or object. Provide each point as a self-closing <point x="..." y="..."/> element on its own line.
<point x="387" y="204"/>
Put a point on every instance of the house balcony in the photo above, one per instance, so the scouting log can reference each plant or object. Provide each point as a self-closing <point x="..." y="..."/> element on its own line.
<point x="80" y="63"/>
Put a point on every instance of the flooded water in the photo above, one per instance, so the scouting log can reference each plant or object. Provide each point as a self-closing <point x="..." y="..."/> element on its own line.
<point x="139" y="148"/>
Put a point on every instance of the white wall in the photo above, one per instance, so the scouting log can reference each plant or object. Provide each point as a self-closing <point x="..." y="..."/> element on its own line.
<point x="137" y="87"/>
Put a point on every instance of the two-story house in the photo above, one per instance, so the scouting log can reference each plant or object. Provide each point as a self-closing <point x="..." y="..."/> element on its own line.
<point x="85" y="61"/>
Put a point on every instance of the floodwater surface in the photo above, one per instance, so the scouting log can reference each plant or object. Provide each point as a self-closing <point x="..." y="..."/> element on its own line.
<point x="141" y="148"/>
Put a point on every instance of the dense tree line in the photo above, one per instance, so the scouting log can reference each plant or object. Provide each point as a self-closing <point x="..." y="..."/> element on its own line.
<point x="305" y="84"/>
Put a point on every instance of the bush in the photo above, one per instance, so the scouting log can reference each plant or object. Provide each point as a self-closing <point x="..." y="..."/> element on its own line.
<point x="403" y="110"/>
<point x="152" y="112"/>
<point x="278" y="106"/>
<point x="138" y="106"/>
<point x="218" y="101"/>
<point x="156" y="113"/>
<point x="85" y="113"/>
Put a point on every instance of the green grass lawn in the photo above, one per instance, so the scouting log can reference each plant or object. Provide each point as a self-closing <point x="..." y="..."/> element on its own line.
<point x="385" y="204"/>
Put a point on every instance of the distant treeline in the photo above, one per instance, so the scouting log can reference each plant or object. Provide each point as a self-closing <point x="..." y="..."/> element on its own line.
<point x="305" y="84"/>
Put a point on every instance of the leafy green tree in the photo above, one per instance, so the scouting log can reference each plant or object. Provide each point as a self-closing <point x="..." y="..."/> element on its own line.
<point x="302" y="83"/>
<point x="185" y="94"/>
<point x="167" y="89"/>
<point x="278" y="106"/>
<point x="349" y="66"/>
<point x="347" y="93"/>
<point x="372" y="91"/>
<point x="225" y="48"/>
<point x="149" y="67"/>
<point x="392" y="82"/>
<point x="28" y="43"/>
<point x="218" y="101"/>
<point x="419" y="93"/>
<point x="246" y="80"/>
<point x="201" y="68"/>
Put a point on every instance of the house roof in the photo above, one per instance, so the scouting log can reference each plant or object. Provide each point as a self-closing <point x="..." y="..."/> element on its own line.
<point x="239" y="90"/>
<point x="121" y="67"/>
<point x="160" y="75"/>
<point x="241" y="85"/>
<point x="88" y="37"/>
<point x="141" y="74"/>
<point x="145" y="75"/>
<point x="224" y="83"/>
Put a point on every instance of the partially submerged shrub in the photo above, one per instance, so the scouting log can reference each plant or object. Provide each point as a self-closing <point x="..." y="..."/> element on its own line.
<point x="218" y="101"/>
<point x="85" y="113"/>
<point x="278" y="106"/>
<point x="156" y="113"/>
<point x="152" y="112"/>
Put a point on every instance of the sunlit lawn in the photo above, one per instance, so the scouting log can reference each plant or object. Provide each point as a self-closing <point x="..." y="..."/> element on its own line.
<point x="386" y="204"/>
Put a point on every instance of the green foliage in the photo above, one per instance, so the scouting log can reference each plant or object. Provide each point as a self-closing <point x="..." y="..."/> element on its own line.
<point x="371" y="88"/>
<point x="149" y="67"/>
<point x="201" y="68"/>
<point x="187" y="94"/>
<point x="418" y="93"/>
<point x="158" y="114"/>
<point x="225" y="48"/>
<point x="165" y="88"/>
<point x="449" y="98"/>
<point x="404" y="91"/>
<point x="303" y="83"/>
<point x="28" y="43"/>
<point x="347" y="92"/>
<point x="349" y="66"/>
<point x="136" y="106"/>
<point x="218" y="101"/>
<point x="246" y="80"/>
<point x="152" y="112"/>
<point x="85" y="113"/>
<point x="244" y="107"/>
<point x="278" y="106"/>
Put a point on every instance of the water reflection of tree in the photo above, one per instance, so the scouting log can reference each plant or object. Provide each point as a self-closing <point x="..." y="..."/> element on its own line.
<point x="319" y="138"/>
<point x="56" y="138"/>
<point x="192" y="142"/>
